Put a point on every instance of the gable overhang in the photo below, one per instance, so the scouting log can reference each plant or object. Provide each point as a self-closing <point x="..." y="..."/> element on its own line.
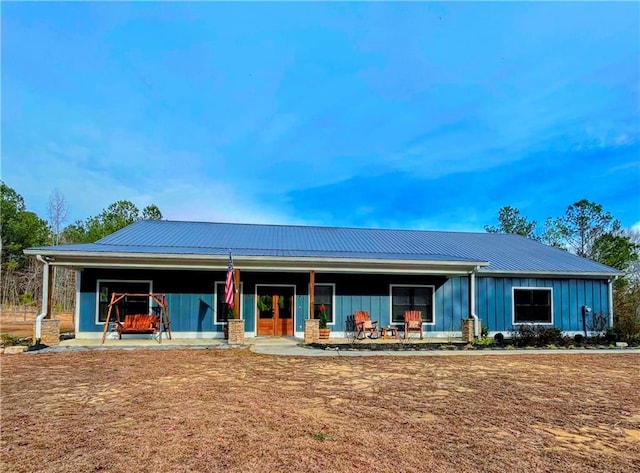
<point x="79" y="260"/>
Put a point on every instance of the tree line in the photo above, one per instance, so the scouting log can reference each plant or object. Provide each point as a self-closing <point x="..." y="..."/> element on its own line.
<point x="585" y="229"/>
<point x="20" y="228"/>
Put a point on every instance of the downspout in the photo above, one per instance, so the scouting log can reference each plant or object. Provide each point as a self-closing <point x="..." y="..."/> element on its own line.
<point x="472" y="302"/>
<point x="45" y="298"/>
<point x="610" y="284"/>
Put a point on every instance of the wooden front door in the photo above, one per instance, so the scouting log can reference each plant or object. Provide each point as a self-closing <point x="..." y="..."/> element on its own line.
<point x="275" y="311"/>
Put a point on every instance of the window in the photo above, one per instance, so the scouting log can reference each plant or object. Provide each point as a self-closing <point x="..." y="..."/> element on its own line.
<point x="323" y="295"/>
<point x="412" y="298"/>
<point x="223" y="311"/>
<point x="532" y="306"/>
<point x="129" y="305"/>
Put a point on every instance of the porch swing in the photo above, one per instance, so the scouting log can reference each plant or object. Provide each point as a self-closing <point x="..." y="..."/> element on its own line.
<point x="153" y="324"/>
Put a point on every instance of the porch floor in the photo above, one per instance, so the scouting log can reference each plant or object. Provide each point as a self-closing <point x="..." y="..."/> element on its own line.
<point x="143" y="342"/>
<point x="379" y="343"/>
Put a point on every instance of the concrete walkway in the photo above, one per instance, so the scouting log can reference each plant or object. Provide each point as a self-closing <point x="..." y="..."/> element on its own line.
<point x="292" y="347"/>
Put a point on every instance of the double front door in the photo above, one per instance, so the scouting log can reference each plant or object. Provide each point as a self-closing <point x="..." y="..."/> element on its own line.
<point x="275" y="306"/>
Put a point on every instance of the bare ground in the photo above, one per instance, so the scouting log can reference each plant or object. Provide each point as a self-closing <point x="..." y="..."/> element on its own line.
<point x="20" y="324"/>
<point x="214" y="410"/>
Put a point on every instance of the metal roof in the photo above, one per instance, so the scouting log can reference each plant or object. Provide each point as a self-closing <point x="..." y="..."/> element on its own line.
<point x="504" y="253"/>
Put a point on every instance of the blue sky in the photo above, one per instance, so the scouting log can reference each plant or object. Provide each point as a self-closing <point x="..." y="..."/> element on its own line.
<point x="412" y="115"/>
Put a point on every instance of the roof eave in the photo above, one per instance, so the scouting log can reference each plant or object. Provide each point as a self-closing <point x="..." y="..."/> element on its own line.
<point x="559" y="274"/>
<point x="258" y="263"/>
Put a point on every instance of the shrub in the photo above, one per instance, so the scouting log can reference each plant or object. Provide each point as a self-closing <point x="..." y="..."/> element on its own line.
<point x="523" y="335"/>
<point x="484" y="331"/>
<point x="26" y="298"/>
<point x="499" y="338"/>
<point x="548" y="335"/>
<point x="566" y="342"/>
<point x="483" y="342"/>
<point x="611" y="335"/>
<point x="578" y="339"/>
<point x="536" y="335"/>
<point x="598" y="324"/>
<point x="7" y="340"/>
<point x="627" y="327"/>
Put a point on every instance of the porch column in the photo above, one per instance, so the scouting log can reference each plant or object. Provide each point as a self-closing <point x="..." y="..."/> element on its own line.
<point x="52" y="274"/>
<point x="312" y="290"/>
<point x="236" y="298"/>
<point x="311" y="325"/>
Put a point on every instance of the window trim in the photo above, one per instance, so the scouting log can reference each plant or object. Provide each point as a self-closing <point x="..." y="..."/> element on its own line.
<point x="433" y="302"/>
<point x="333" y="299"/>
<point x="528" y="288"/>
<point x="215" y="301"/>
<point x="98" y="281"/>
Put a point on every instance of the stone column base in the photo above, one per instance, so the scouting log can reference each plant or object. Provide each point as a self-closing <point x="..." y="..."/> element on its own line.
<point x="236" y="331"/>
<point x="311" y="330"/>
<point x="468" y="330"/>
<point x="50" y="332"/>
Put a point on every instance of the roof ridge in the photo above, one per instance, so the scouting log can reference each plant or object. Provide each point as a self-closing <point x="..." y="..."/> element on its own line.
<point x="329" y="227"/>
<point x="256" y="248"/>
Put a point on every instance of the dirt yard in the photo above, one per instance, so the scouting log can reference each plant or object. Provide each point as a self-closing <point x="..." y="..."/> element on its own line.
<point x="227" y="410"/>
<point x="20" y="324"/>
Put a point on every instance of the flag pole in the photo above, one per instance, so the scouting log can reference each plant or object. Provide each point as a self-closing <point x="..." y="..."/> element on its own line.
<point x="229" y="290"/>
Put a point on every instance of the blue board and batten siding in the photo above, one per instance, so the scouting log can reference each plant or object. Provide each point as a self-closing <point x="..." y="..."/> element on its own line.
<point x="494" y="300"/>
<point x="191" y="298"/>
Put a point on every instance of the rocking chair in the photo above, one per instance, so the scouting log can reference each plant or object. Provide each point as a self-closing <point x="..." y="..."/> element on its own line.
<point x="364" y="324"/>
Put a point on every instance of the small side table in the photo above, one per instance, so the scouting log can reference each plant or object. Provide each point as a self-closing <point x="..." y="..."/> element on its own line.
<point x="389" y="332"/>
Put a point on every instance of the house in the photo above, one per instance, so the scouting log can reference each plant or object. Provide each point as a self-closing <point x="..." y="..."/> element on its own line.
<point x="503" y="280"/>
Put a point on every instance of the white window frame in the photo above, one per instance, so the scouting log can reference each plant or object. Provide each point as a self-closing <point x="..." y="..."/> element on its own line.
<point x="215" y="302"/>
<point x="333" y="299"/>
<point x="97" y="315"/>
<point x="433" y="301"/>
<point x="527" y="288"/>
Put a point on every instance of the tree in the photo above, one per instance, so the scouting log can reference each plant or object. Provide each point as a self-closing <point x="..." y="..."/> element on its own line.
<point x="511" y="222"/>
<point x="617" y="251"/>
<point x="58" y="212"/>
<point x="551" y="236"/>
<point x="115" y="217"/>
<point x="20" y="228"/>
<point x="151" y="212"/>
<point x="584" y="222"/>
<point x="118" y="215"/>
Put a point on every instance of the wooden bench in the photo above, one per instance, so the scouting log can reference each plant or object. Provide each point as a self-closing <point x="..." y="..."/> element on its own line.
<point x="138" y="324"/>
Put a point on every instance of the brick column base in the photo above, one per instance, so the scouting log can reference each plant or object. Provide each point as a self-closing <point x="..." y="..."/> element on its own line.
<point x="50" y="332"/>
<point x="311" y="330"/>
<point x="236" y="331"/>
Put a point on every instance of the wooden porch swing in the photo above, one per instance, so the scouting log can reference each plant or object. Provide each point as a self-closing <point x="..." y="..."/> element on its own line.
<point x="152" y="324"/>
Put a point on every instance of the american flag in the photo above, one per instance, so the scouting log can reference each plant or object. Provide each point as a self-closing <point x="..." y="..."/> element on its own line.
<point x="228" y="287"/>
